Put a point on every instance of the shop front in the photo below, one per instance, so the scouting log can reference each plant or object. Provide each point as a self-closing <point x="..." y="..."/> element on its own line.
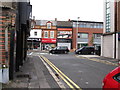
<point x="65" y="42"/>
<point x="34" y="43"/>
<point x="48" y="43"/>
<point x="64" y="37"/>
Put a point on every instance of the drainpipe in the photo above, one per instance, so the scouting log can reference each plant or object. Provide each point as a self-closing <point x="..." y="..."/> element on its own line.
<point x="116" y="6"/>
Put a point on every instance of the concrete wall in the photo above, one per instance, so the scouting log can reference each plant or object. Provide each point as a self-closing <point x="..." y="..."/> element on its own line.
<point x="107" y="46"/>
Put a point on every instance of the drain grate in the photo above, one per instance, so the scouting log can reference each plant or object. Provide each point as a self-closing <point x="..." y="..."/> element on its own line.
<point x="23" y="76"/>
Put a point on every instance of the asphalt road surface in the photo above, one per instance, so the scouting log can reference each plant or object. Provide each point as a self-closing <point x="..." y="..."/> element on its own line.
<point x="84" y="72"/>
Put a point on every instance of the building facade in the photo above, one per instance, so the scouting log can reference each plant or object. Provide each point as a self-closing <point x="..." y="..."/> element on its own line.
<point x="87" y="33"/>
<point x="64" y="34"/>
<point x="111" y="34"/>
<point x="49" y="33"/>
<point x="14" y="29"/>
<point x="34" y="41"/>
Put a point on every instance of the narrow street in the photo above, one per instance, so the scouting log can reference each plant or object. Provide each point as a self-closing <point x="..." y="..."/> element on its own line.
<point x="83" y="72"/>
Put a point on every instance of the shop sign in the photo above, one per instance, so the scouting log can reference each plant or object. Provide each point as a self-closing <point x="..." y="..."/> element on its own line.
<point x="34" y="39"/>
<point x="64" y="34"/>
<point x="48" y="40"/>
<point x="64" y="40"/>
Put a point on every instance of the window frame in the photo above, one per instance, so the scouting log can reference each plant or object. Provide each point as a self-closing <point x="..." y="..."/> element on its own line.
<point x="95" y="35"/>
<point x="45" y="34"/>
<point x="49" y="25"/>
<point x="35" y="33"/>
<point x="52" y="35"/>
<point x="79" y="35"/>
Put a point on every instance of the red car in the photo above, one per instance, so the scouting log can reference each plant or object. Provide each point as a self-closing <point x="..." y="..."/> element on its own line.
<point x="112" y="80"/>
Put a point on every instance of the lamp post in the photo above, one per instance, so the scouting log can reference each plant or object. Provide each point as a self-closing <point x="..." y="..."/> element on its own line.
<point x="77" y="28"/>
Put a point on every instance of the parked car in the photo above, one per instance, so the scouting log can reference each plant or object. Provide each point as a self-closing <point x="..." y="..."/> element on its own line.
<point x="59" y="49"/>
<point x="85" y="50"/>
<point x="112" y="80"/>
<point x="98" y="50"/>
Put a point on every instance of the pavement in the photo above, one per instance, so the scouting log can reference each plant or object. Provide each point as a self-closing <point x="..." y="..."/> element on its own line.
<point x="32" y="75"/>
<point x="107" y="60"/>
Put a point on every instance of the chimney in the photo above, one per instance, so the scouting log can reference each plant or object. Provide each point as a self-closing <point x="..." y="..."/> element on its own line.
<point x="55" y="19"/>
<point x="68" y="19"/>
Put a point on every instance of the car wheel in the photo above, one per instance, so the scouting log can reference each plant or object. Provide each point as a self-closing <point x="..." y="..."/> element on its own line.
<point x="92" y="53"/>
<point x="79" y="52"/>
<point x="53" y="52"/>
<point x="65" y="52"/>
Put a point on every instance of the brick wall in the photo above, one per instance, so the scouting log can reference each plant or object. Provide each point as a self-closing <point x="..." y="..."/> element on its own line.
<point x="6" y="19"/>
<point x="90" y="32"/>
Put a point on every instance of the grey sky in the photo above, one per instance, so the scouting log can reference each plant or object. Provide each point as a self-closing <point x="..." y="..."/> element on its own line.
<point x="88" y="10"/>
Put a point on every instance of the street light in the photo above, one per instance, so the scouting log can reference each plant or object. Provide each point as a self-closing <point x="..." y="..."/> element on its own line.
<point x="77" y="28"/>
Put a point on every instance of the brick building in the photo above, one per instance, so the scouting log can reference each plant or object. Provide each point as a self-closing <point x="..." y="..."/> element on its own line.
<point x="49" y="33"/>
<point x="14" y="30"/>
<point x="111" y="33"/>
<point x="89" y="33"/>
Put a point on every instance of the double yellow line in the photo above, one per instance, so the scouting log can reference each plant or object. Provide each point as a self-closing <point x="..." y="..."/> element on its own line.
<point x="67" y="80"/>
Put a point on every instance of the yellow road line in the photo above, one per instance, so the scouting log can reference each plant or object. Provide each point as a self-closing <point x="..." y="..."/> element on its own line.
<point x="60" y="73"/>
<point x="97" y="60"/>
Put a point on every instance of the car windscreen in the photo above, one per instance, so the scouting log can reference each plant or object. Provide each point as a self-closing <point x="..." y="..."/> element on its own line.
<point x="55" y="48"/>
<point x="81" y="48"/>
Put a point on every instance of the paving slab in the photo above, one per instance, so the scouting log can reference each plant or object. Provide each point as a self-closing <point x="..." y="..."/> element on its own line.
<point x="32" y="75"/>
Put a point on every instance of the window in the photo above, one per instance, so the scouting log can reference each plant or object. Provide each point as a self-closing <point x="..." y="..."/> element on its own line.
<point x="92" y="25"/>
<point x="97" y="35"/>
<point x="83" y="25"/>
<point x="82" y="35"/>
<point x="88" y="25"/>
<point x="48" y="25"/>
<point x="108" y="16"/>
<point x="35" y="33"/>
<point x="45" y="34"/>
<point x="51" y="34"/>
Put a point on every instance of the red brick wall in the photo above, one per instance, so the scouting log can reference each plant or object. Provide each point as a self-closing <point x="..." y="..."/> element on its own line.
<point x="55" y="33"/>
<point x="3" y="26"/>
<point x="90" y="32"/>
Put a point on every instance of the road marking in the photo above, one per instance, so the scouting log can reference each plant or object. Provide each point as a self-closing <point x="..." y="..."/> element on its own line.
<point x="30" y="53"/>
<point x="98" y="60"/>
<point x="43" y="53"/>
<point x="67" y="80"/>
<point x="51" y="72"/>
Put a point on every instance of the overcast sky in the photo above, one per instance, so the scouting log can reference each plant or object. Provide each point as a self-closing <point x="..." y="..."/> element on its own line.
<point x="87" y="10"/>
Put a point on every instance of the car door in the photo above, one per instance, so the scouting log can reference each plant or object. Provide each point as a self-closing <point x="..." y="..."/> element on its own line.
<point x="61" y="50"/>
<point x="58" y="50"/>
